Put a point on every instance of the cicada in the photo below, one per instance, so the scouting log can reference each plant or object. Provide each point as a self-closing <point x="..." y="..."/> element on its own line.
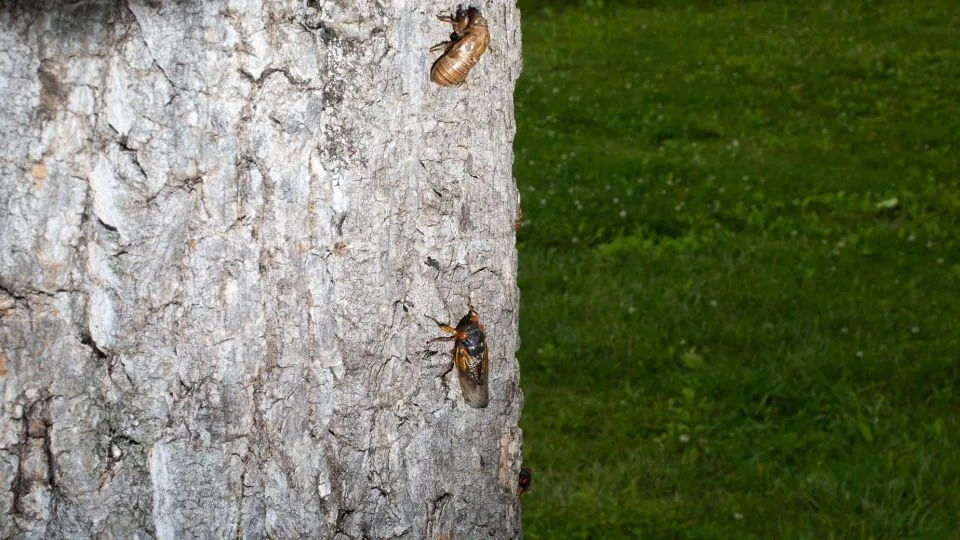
<point x="467" y="43"/>
<point x="470" y="357"/>
<point x="525" y="480"/>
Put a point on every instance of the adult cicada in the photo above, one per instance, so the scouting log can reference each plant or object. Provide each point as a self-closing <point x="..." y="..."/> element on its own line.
<point x="470" y="357"/>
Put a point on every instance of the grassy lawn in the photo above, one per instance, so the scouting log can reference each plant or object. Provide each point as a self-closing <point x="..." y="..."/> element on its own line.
<point x="740" y="269"/>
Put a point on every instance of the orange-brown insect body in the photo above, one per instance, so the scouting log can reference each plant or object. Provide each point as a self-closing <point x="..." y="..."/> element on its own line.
<point x="467" y="43"/>
<point x="470" y="356"/>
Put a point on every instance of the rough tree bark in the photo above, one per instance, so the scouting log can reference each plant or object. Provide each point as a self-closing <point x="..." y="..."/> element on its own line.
<point x="222" y="225"/>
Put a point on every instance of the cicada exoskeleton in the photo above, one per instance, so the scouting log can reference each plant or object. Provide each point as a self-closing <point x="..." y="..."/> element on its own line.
<point x="467" y="43"/>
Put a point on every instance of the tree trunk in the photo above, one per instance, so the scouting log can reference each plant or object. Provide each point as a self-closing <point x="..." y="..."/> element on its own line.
<point x="223" y="224"/>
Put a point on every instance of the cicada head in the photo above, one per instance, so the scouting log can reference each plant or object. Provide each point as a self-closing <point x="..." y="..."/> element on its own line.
<point x="474" y="18"/>
<point x="460" y="21"/>
<point x="471" y="318"/>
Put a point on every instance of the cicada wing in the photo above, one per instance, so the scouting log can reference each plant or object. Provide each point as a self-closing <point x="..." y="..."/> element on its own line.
<point x="484" y="375"/>
<point x="472" y="384"/>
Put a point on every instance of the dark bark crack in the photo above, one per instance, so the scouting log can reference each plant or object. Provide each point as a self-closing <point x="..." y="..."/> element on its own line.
<point x="435" y="509"/>
<point x="123" y="143"/>
<point x="36" y="465"/>
<point x="87" y="340"/>
<point x="267" y="73"/>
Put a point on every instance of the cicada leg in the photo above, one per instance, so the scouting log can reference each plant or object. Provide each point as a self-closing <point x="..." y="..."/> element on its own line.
<point x="443" y="326"/>
<point x="440" y="46"/>
<point x="446" y="328"/>
<point x="450" y="330"/>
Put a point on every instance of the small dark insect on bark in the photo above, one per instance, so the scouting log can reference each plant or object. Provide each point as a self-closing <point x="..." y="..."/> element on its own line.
<point x="470" y="356"/>
<point x="467" y="43"/>
<point x="525" y="480"/>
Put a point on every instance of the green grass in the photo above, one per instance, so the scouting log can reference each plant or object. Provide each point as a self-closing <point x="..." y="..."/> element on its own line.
<point x="740" y="268"/>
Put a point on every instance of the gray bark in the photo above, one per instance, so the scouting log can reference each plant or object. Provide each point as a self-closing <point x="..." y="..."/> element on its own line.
<point x="222" y="225"/>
